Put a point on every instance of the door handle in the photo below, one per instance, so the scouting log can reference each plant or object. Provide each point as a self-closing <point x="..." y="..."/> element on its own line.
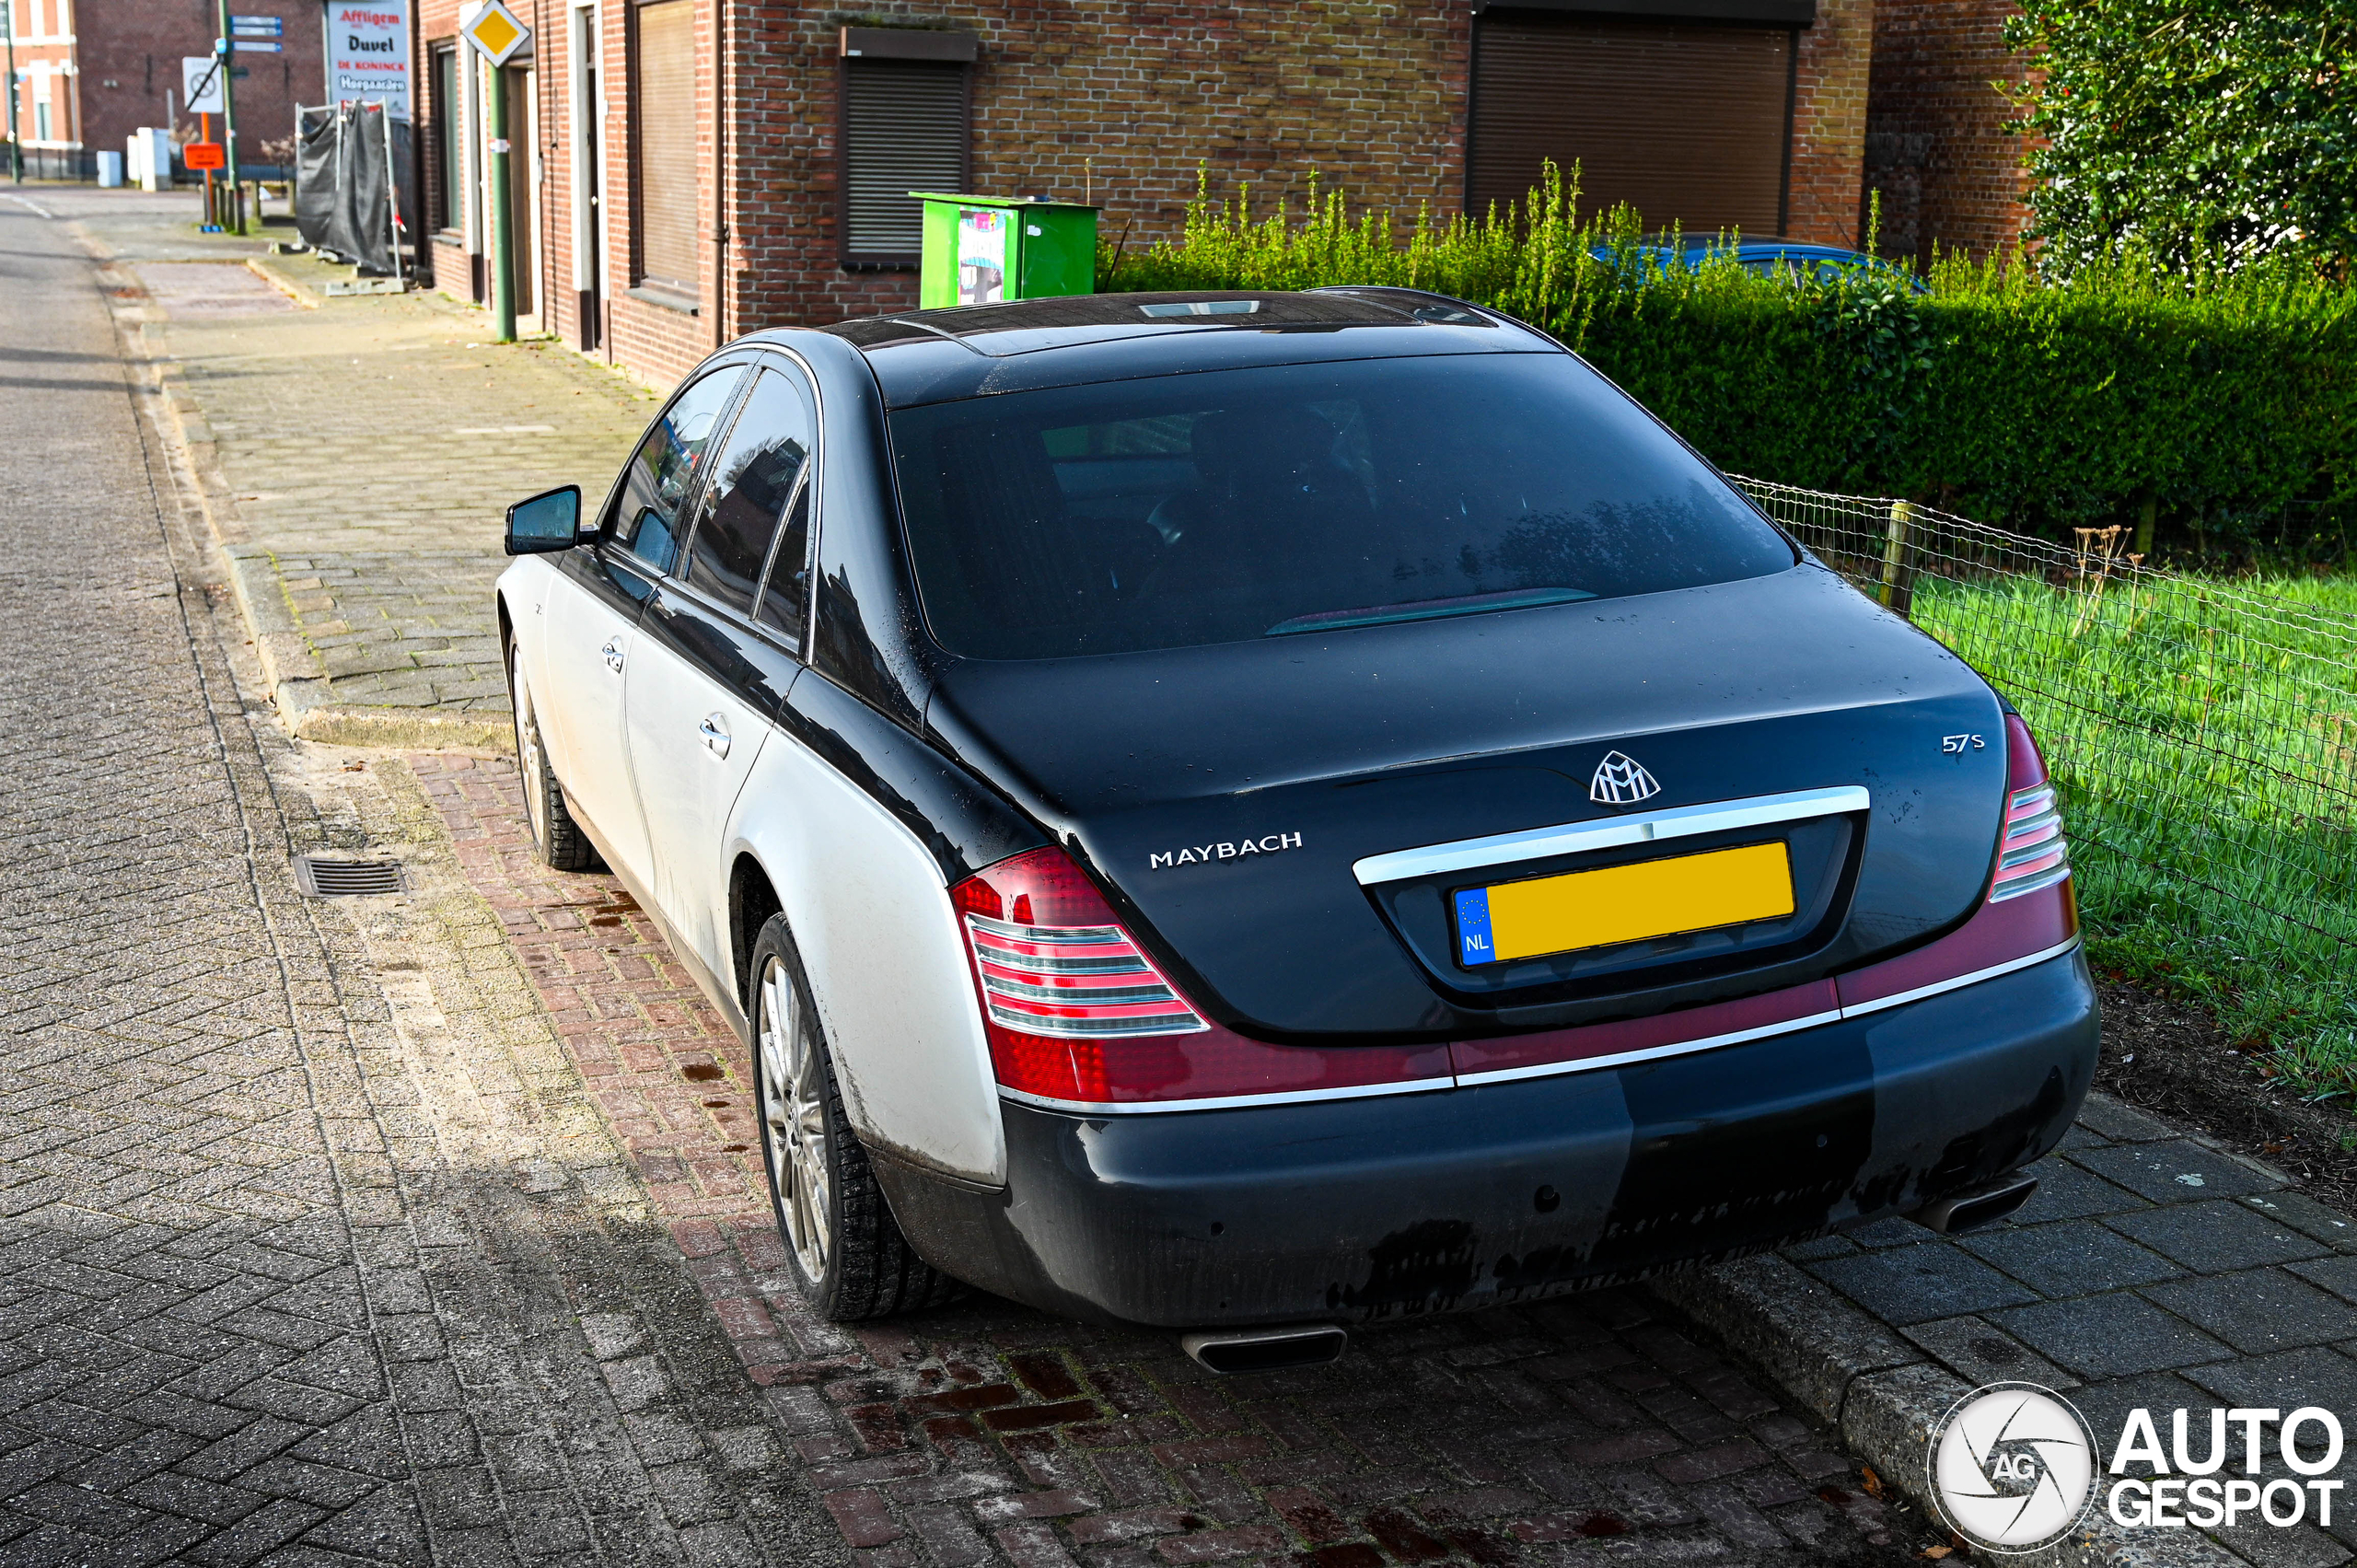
<point x="613" y="652"/>
<point x="715" y="738"/>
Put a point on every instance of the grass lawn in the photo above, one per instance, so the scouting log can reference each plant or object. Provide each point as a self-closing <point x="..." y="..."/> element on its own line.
<point x="2204" y="737"/>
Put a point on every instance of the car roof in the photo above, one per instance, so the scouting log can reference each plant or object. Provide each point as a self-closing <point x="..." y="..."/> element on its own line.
<point x="921" y="357"/>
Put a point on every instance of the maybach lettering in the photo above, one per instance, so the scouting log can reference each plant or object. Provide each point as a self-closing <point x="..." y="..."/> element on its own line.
<point x="1269" y="844"/>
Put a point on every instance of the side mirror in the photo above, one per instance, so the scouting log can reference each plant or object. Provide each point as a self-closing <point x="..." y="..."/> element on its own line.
<point x="549" y="521"/>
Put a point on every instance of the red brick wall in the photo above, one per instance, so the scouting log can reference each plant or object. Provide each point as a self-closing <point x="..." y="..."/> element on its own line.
<point x="130" y="56"/>
<point x="1936" y="145"/>
<point x="1371" y="96"/>
<point x="1120" y="99"/>
<point x="1829" y="122"/>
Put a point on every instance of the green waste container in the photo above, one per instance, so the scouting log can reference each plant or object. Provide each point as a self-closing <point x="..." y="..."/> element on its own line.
<point x="980" y="250"/>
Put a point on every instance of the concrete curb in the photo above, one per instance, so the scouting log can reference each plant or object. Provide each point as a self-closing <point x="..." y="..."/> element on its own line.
<point x="1884" y="1396"/>
<point x="294" y="288"/>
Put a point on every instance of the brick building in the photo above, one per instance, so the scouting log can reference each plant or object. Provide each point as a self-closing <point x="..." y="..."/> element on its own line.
<point x="1937" y="144"/>
<point x="94" y="71"/>
<point x="688" y="170"/>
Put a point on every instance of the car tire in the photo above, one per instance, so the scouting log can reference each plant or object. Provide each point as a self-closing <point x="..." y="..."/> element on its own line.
<point x="557" y="839"/>
<point x="847" y="1249"/>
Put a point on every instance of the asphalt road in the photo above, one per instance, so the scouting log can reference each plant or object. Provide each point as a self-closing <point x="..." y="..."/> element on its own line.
<point x="253" y="1305"/>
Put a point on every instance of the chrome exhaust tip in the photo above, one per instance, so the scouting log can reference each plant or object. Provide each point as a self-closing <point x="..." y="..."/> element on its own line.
<point x="1266" y="1350"/>
<point x="1983" y="1205"/>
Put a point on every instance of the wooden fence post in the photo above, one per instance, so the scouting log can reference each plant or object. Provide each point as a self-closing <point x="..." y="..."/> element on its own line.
<point x="1898" y="584"/>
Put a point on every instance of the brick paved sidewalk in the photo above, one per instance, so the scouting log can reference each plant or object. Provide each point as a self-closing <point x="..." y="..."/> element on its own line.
<point x="990" y="1432"/>
<point x="313" y="1251"/>
<point x="356" y="458"/>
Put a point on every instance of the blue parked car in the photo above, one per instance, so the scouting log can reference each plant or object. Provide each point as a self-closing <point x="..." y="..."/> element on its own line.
<point x="1788" y="258"/>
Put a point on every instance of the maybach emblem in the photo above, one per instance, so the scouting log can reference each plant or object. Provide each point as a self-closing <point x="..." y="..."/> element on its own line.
<point x="1621" y="780"/>
<point x="1225" y="850"/>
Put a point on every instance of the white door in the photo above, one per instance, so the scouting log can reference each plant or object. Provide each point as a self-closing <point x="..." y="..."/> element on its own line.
<point x="594" y="611"/>
<point x="702" y="681"/>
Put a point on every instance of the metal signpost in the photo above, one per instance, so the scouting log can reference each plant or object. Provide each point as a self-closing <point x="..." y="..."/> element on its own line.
<point x="221" y="47"/>
<point x="497" y="36"/>
<point x="15" y="147"/>
<point x="203" y="86"/>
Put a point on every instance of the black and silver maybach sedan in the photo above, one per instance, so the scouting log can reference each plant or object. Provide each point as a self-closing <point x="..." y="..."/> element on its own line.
<point x="1248" y="813"/>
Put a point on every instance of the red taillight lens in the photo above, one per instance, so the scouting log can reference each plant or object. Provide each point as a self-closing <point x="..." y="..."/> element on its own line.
<point x="1077" y="1014"/>
<point x="2033" y="854"/>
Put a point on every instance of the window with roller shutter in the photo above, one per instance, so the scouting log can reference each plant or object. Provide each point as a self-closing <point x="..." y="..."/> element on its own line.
<point x="902" y="127"/>
<point x="1689" y="122"/>
<point x="663" y="151"/>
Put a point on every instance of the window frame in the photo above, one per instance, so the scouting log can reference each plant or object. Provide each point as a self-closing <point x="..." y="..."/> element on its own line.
<point x="805" y="485"/>
<point x="960" y="49"/>
<point x="748" y="365"/>
<point x="606" y="537"/>
<point x="687" y="296"/>
<point x="449" y="164"/>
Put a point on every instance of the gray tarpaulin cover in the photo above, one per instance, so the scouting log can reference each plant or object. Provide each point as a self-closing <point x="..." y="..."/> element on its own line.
<point x="342" y="182"/>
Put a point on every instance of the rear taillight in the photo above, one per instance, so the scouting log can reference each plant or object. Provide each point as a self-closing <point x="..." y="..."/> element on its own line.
<point x="2033" y="854"/>
<point x="1077" y="1014"/>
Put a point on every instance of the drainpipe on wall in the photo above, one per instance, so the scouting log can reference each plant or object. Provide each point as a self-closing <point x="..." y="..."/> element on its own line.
<point x="720" y="172"/>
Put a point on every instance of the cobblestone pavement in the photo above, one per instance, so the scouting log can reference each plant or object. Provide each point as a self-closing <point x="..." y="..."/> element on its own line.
<point x="312" y="1248"/>
<point x="359" y="454"/>
<point x="1596" y="1429"/>
<point x="2152" y="1270"/>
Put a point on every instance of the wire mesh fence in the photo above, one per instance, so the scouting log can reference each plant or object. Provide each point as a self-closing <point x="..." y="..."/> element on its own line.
<point x="2203" y="737"/>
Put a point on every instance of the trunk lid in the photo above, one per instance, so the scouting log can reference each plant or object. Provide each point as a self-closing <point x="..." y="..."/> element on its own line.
<point x="1225" y="793"/>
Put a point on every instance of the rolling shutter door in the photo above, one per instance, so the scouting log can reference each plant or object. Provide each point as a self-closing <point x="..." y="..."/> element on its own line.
<point x="666" y="161"/>
<point x="905" y="129"/>
<point x="1687" y="123"/>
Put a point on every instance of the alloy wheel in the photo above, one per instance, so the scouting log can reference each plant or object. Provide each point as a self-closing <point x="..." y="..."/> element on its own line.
<point x="793" y="1106"/>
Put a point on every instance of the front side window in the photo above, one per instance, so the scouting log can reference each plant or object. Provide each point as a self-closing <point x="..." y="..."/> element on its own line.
<point x="646" y="519"/>
<point x="1299" y="500"/>
<point x="753" y="480"/>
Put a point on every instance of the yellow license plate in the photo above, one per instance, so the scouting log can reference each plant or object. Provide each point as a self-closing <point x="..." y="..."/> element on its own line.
<point x="1623" y="904"/>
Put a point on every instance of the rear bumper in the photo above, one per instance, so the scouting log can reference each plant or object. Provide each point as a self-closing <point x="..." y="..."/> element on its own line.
<point x="1469" y="1197"/>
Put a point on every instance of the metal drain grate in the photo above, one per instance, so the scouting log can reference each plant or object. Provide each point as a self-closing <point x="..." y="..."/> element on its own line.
<point x="325" y="879"/>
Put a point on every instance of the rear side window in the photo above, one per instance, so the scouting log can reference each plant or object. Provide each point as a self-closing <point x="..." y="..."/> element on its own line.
<point x="1302" y="499"/>
<point x="753" y="480"/>
<point x="655" y="486"/>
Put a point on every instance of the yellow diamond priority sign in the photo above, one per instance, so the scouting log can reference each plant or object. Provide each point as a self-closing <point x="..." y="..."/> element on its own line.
<point x="496" y="33"/>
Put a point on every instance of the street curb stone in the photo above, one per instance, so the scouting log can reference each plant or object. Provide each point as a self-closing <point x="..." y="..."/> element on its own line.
<point x="1884" y="1396"/>
<point x="292" y="287"/>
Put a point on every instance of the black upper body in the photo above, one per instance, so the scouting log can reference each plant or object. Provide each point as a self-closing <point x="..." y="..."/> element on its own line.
<point x="1340" y="574"/>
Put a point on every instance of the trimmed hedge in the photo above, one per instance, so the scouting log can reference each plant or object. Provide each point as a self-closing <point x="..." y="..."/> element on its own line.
<point x="2221" y="406"/>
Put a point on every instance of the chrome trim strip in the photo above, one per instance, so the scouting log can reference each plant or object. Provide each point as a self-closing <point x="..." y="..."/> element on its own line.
<point x="2032" y="883"/>
<point x="1554" y="1069"/>
<point x="1960" y="981"/>
<point x="1228" y="1102"/>
<point x="1573" y="838"/>
<point x="1049" y="935"/>
<point x="1675" y="1048"/>
<point x="1126" y="1028"/>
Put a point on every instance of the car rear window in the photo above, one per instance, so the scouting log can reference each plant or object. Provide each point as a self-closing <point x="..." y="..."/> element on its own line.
<point x="1310" y="499"/>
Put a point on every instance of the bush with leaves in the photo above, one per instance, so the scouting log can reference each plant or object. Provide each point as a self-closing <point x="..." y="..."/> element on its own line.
<point x="2221" y="403"/>
<point x="2192" y="129"/>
